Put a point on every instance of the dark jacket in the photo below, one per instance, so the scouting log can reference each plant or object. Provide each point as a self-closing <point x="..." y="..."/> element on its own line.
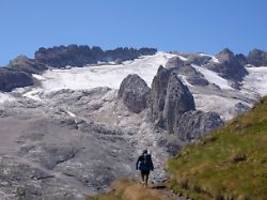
<point x="144" y="163"/>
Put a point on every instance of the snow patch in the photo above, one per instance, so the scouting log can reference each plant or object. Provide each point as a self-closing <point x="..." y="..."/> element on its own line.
<point x="213" y="103"/>
<point x="182" y="58"/>
<point x="33" y="94"/>
<point x="70" y="114"/>
<point x="256" y="80"/>
<point x="213" y="77"/>
<point x="5" y="97"/>
<point x="213" y="58"/>
<point x="38" y="77"/>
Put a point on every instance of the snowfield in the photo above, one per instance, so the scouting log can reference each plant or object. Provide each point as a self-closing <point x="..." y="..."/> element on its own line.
<point x="222" y="100"/>
<point x="103" y="75"/>
<point x="213" y="77"/>
<point x="256" y="81"/>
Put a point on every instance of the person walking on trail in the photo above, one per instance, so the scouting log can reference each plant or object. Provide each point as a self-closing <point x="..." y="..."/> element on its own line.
<point x="145" y="165"/>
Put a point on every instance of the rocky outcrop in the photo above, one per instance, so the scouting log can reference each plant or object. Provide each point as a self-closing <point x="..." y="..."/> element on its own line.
<point x="175" y="62"/>
<point x="185" y="68"/>
<point x="242" y="59"/>
<point x="228" y="66"/>
<point x="11" y="79"/>
<point x="27" y="65"/>
<point x="172" y="107"/>
<point x="74" y="55"/>
<point x="158" y="95"/>
<point x="194" y="124"/>
<point x="169" y="98"/>
<point x="134" y="93"/>
<point x="178" y="100"/>
<point x="257" y="57"/>
<point x="198" y="60"/>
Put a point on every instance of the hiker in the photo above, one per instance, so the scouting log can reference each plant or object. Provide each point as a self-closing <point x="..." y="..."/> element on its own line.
<point x="145" y="165"/>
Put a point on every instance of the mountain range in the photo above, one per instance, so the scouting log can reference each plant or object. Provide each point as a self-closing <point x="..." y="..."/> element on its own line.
<point x="75" y="118"/>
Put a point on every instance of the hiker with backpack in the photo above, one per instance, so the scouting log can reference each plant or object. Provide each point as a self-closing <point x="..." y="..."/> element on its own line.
<point x="145" y="165"/>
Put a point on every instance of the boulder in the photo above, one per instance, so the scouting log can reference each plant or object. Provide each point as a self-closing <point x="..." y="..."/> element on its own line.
<point x="134" y="93"/>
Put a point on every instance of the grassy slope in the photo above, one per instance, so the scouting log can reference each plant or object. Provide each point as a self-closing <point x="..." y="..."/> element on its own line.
<point x="231" y="163"/>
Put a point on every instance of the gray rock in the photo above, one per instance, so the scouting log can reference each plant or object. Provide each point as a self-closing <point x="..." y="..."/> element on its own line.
<point x="158" y="95"/>
<point x="24" y="64"/>
<point x="185" y="69"/>
<point x="174" y="62"/>
<point x="134" y="93"/>
<point x="228" y="67"/>
<point x="80" y="55"/>
<point x="257" y="57"/>
<point x="11" y="79"/>
<point x="194" y="124"/>
<point x="169" y="98"/>
<point x="198" y="60"/>
<point x="178" y="100"/>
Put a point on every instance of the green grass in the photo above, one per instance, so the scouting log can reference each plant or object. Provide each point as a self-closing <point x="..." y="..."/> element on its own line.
<point x="230" y="163"/>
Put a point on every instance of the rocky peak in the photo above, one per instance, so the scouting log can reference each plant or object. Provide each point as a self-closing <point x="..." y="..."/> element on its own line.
<point x="226" y="55"/>
<point x="134" y="93"/>
<point x="229" y="66"/>
<point x="257" y="57"/>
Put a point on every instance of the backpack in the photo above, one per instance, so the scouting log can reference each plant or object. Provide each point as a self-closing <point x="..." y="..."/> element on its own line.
<point x="145" y="163"/>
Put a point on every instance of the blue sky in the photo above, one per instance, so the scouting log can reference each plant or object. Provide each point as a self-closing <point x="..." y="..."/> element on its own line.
<point x="183" y="25"/>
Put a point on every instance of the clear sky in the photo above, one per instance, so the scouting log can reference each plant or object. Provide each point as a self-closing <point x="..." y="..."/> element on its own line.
<point x="183" y="25"/>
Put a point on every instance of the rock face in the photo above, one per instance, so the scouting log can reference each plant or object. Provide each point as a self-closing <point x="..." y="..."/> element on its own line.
<point x="257" y="57"/>
<point x="193" y="124"/>
<point x="24" y="64"/>
<point x="198" y="60"/>
<point x="134" y="93"/>
<point x="11" y="79"/>
<point x="186" y="69"/>
<point x="228" y="66"/>
<point x="178" y="100"/>
<point x="74" y="55"/>
<point x="158" y="95"/>
<point x="172" y="107"/>
<point x="175" y="62"/>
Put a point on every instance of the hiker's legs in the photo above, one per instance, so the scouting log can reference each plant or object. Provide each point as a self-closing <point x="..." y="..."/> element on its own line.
<point x="143" y="177"/>
<point x="147" y="177"/>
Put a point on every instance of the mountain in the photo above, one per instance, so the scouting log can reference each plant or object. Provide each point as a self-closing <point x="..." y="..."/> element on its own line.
<point x="72" y="120"/>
